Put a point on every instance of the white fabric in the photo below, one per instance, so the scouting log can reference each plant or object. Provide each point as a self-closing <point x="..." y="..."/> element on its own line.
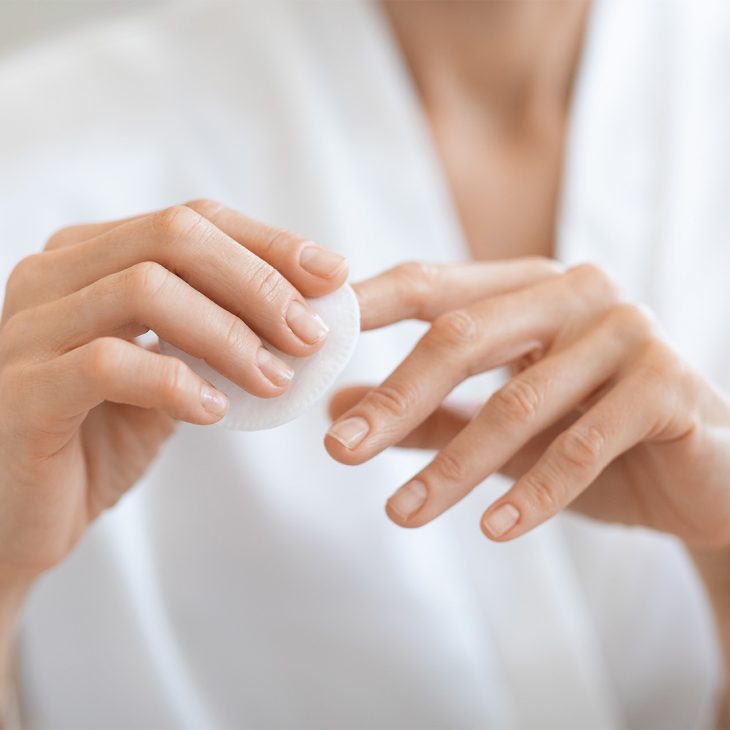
<point x="313" y="375"/>
<point x="250" y="581"/>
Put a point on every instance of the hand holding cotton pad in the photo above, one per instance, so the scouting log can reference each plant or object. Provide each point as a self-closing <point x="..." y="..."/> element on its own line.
<point x="313" y="375"/>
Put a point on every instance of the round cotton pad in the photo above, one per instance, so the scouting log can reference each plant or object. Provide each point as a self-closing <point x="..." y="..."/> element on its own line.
<point x="313" y="375"/>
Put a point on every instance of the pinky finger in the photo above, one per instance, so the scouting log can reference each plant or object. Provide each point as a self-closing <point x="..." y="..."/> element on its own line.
<point x="111" y="369"/>
<point x="574" y="460"/>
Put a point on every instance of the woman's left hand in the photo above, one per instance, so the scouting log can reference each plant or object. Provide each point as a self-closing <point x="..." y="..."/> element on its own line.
<point x="600" y="413"/>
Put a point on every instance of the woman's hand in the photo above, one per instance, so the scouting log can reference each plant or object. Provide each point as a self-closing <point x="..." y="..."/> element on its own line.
<point x="83" y="409"/>
<point x="600" y="413"/>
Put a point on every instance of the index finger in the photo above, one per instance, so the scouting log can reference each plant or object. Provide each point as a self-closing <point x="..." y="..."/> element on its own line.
<point x="313" y="269"/>
<point x="415" y="290"/>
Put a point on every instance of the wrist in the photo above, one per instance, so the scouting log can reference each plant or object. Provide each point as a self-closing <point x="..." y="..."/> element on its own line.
<point x="12" y="598"/>
<point x="713" y="566"/>
<point x="13" y="593"/>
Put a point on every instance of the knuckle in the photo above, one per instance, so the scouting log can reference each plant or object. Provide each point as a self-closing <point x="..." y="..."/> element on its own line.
<point x="173" y="379"/>
<point x="102" y="360"/>
<point x="146" y="280"/>
<point x="455" y="329"/>
<point x="588" y="272"/>
<point x="59" y="238"/>
<point x="658" y="364"/>
<point x="416" y="280"/>
<point x="281" y="238"/>
<point x="416" y="273"/>
<point x="449" y="467"/>
<point x="394" y="400"/>
<point x="545" y="495"/>
<point x="545" y="266"/>
<point x="593" y="281"/>
<point x="24" y="275"/>
<point x="268" y="284"/>
<point x="205" y="206"/>
<point x="237" y="337"/>
<point x="518" y="401"/>
<point x="633" y="320"/>
<point x="581" y="447"/>
<point x="176" y="223"/>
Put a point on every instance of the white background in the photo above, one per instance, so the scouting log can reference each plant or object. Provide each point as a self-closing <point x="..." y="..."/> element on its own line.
<point x="23" y="22"/>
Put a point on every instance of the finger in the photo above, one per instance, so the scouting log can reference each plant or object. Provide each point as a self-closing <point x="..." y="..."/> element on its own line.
<point x="185" y="242"/>
<point x="70" y="235"/>
<point x="624" y="417"/>
<point x="149" y="297"/>
<point x="425" y="291"/>
<point x="437" y="430"/>
<point x="55" y="393"/>
<point x="519" y="411"/>
<point x="313" y="269"/>
<point x="460" y="344"/>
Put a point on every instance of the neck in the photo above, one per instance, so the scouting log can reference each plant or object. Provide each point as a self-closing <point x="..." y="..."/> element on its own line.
<point x="517" y="57"/>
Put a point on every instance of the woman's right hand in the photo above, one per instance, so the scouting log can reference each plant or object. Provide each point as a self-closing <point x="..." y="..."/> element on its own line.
<point x="83" y="408"/>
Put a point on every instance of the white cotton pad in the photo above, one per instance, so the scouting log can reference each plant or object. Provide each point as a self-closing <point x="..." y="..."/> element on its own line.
<point x="313" y="375"/>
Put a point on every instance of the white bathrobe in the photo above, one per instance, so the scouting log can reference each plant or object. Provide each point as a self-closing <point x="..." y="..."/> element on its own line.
<point x="252" y="582"/>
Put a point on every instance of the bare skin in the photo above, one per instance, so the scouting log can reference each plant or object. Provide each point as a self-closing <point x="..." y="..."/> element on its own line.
<point x="495" y="80"/>
<point x="85" y="409"/>
<point x="73" y="450"/>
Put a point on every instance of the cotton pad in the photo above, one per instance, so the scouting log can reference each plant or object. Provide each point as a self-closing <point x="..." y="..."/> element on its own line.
<point x="313" y="375"/>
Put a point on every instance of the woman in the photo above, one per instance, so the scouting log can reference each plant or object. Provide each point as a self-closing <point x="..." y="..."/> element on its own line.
<point x="248" y="581"/>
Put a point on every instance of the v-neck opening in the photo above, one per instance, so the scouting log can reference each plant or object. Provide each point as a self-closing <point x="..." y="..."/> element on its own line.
<point x="418" y="116"/>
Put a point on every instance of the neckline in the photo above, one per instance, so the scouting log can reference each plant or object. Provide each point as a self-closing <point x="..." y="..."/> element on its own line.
<point x="420" y="128"/>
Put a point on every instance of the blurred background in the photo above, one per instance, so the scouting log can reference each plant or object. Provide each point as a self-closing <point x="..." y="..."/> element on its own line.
<point x="23" y="22"/>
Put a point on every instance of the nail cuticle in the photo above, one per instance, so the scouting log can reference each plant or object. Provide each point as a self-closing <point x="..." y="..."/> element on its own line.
<point x="213" y="401"/>
<point x="408" y="499"/>
<point x="502" y="520"/>
<point x="351" y="432"/>
<point x="273" y="369"/>
<point x="305" y="324"/>
<point x="320" y="262"/>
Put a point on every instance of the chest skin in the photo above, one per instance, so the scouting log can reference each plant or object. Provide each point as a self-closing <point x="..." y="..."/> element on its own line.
<point x="505" y="183"/>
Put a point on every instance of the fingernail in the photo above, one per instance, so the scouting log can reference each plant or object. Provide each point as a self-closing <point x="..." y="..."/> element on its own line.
<point x="408" y="499"/>
<point x="305" y="324"/>
<point x="321" y="262"/>
<point x="278" y="372"/>
<point x="350" y="432"/>
<point x="213" y="401"/>
<point x="502" y="520"/>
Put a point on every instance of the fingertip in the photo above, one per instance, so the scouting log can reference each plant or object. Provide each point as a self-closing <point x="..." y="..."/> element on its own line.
<point x="406" y="505"/>
<point x="345" y="436"/>
<point x="341" y="453"/>
<point x="275" y="370"/>
<point x="214" y="404"/>
<point x="308" y="328"/>
<point x="500" y="522"/>
<point x="407" y="523"/>
<point x="394" y="517"/>
<point x="324" y="271"/>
